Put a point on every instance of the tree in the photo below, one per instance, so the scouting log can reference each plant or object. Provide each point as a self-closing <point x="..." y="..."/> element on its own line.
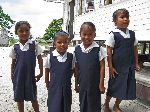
<point x="5" y="20"/>
<point x="6" y="23"/>
<point x="53" y="27"/>
<point x="11" y="41"/>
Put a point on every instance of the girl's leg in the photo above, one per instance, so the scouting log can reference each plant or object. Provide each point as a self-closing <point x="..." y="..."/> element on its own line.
<point x="20" y="106"/>
<point x="116" y="107"/>
<point x="35" y="105"/>
<point x="106" y="104"/>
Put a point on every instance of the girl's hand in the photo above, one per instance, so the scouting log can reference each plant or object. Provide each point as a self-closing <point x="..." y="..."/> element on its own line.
<point x="102" y="89"/>
<point x="37" y="78"/>
<point x="112" y="72"/>
<point x="137" y="67"/>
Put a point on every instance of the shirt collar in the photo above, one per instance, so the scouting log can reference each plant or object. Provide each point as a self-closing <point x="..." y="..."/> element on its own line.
<point x="28" y="42"/>
<point x="125" y="35"/>
<point x="55" y="53"/>
<point x="94" y="44"/>
<point x="117" y="30"/>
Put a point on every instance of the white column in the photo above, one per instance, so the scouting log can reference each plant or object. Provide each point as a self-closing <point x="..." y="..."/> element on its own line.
<point x="97" y="4"/>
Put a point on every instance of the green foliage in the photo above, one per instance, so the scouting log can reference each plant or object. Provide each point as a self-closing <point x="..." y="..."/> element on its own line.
<point x="5" y="20"/>
<point x="12" y="41"/>
<point x="42" y="42"/>
<point x="53" y="27"/>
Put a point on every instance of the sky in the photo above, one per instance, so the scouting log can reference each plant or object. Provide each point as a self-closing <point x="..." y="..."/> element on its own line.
<point x="37" y="12"/>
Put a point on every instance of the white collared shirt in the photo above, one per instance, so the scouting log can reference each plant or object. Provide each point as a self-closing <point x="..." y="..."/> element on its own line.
<point x="111" y="42"/>
<point x="25" y="47"/>
<point x="102" y="52"/>
<point x="60" y="58"/>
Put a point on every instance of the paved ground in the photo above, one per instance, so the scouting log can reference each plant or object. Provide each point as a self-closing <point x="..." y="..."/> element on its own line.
<point x="6" y="93"/>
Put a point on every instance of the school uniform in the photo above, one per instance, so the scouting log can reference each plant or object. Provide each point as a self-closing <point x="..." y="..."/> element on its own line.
<point x="88" y="61"/>
<point x="123" y="86"/>
<point x="59" y="90"/>
<point x="24" y="84"/>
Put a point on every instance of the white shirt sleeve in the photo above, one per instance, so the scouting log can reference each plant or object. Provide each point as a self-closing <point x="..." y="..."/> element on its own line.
<point x="102" y="53"/>
<point x="110" y="40"/>
<point x="47" y="61"/>
<point x="12" y="53"/>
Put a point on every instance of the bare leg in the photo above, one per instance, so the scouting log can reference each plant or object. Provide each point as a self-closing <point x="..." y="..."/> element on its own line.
<point x="116" y="107"/>
<point x="20" y="106"/>
<point x="106" y="105"/>
<point x="35" y="105"/>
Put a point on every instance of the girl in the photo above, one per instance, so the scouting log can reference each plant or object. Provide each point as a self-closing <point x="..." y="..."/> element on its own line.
<point x="89" y="70"/>
<point x="23" y="56"/>
<point x="59" y="65"/>
<point x="122" y="60"/>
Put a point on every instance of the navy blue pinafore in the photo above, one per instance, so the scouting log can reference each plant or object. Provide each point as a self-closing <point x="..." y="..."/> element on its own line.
<point x="59" y="90"/>
<point x="123" y="86"/>
<point x="24" y="84"/>
<point x="89" y="78"/>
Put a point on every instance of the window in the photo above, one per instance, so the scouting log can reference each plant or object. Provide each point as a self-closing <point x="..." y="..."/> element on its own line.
<point x="107" y="2"/>
<point x="90" y="6"/>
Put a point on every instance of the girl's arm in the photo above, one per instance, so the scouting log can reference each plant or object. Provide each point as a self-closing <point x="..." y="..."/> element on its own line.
<point x="46" y="77"/>
<point x="136" y="58"/>
<point x="40" y="62"/>
<point x="13" y="67"/>
<point x="76" y="75"/>
<point x="109" y="58"/>
<point x="102" y="76"/>
<point x="112" y="70"/>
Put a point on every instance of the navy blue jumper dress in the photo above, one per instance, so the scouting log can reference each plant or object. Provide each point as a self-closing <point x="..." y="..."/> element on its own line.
<point x="123" y="86"/>
<point x="59" y="90"/>
<point x="24" y="84"/>
<point x="89" y="78"/>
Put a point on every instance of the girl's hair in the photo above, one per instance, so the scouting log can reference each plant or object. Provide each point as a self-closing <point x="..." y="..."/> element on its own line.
<point x="61" y="33"/>
<point x="18" y="24"/>
<point x="123" y="11"/>
<point x="90" y="24"/>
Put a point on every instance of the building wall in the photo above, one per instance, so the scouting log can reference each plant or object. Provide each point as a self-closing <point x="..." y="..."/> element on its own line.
<point x="102" y="18"/>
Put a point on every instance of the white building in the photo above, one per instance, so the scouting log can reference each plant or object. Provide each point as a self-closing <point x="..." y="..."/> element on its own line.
<point x="100" y="13"/>
<point x="3" y="37"/>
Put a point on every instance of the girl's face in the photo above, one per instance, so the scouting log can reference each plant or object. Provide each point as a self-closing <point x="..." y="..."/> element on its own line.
<point x="61" y="44"/>
<point x="87" y="36"/>
<point x="23" y="32"/>
<point x="122" y="21"/>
